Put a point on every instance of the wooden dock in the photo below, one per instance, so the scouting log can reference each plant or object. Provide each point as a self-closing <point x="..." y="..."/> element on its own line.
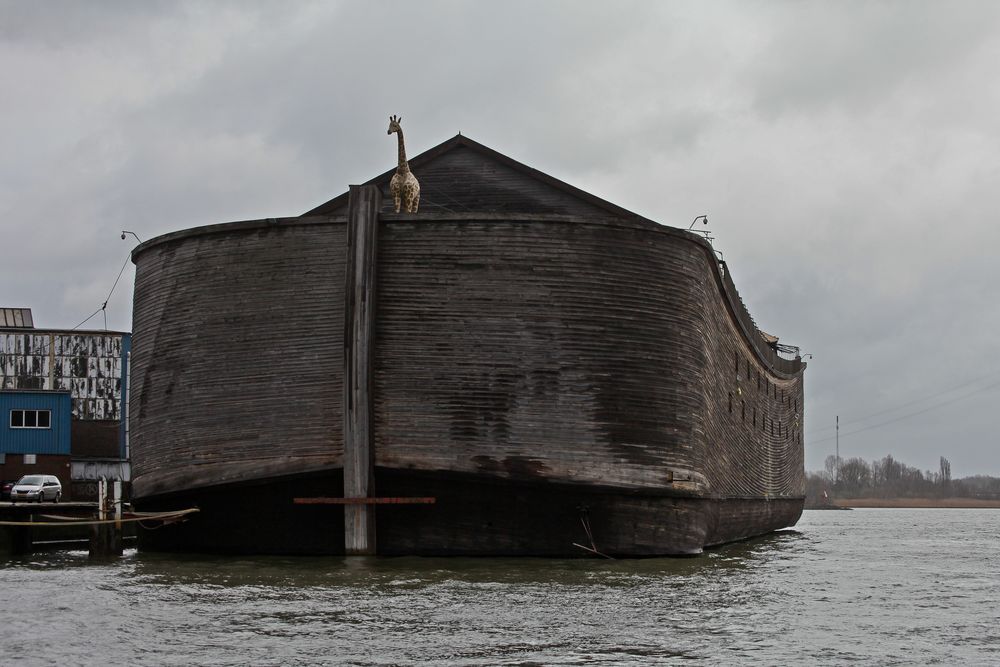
<point x="22" y="539"/>
<point x="100" y="523"/>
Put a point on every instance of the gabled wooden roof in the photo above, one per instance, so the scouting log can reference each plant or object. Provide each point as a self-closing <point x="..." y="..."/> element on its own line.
<point x="464" y="176"/>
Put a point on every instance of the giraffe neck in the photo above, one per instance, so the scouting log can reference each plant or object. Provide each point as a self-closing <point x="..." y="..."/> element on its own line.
<point x="403" y="166"/>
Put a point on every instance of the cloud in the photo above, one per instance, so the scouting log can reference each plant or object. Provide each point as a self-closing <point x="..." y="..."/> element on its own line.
<point x="854" y="56"/>
<point x="846" y="153"/>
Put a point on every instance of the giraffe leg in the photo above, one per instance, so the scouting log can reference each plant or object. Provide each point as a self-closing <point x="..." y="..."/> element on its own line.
<point x="398" y="201"/>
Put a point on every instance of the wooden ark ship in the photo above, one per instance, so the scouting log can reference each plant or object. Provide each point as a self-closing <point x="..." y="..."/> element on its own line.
<point x="517" y="368"/>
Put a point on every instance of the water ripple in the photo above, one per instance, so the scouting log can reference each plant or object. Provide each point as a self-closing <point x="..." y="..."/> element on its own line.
<point x="873" y="586"/>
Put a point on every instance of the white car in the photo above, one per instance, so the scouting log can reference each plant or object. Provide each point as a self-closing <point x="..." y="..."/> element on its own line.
<point x="37" y="488"/>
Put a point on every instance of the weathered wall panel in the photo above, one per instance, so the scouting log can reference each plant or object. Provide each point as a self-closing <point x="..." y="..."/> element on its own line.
<point x="94" y="438"/>
<point x="237" y="355"/>
<point x="593" y="352"/>
<point x="559" y="348"/>
<point x="88" y="364"/>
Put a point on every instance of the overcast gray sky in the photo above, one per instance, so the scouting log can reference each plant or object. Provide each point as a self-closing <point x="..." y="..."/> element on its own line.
<point x="847" y="153"/>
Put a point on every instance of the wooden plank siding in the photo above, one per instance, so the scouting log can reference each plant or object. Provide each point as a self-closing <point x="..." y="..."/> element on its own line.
<point x="570" y="349"/>
<point x="578" y="351"/>
<point x="237" y="362"/>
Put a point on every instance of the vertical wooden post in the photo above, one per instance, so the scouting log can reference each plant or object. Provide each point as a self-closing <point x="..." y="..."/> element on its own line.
<point x="21" y="539"/>
<point x="106" y="539"/>
<point x="364" y="204"/>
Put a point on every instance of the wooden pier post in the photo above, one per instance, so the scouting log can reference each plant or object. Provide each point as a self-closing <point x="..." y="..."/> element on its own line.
<point x="105" y="542"/>
<point x="364" y="204"/>
<point x="22" y="540"/>
<point x="106" y="538"/>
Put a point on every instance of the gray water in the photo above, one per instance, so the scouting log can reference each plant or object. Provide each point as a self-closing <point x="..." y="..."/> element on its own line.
<point x="874" y="586"/>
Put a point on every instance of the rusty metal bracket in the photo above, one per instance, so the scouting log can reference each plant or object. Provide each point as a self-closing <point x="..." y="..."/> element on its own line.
<point x="364" y="501"/>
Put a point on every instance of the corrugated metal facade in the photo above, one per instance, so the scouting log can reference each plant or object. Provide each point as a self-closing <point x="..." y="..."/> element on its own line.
<point x="89" y="365"/>
<point x="52" y="440"/>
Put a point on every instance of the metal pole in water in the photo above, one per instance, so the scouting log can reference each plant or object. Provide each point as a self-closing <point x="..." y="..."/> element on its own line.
<point x="836" y="473"/>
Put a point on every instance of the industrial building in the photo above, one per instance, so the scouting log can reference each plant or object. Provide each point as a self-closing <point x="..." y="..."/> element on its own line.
<point x="63" y="394"/>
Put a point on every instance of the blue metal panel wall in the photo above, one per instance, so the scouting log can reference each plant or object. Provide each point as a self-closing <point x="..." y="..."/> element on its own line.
<point x="123" y="409"/>
<point x="52" y="440"/>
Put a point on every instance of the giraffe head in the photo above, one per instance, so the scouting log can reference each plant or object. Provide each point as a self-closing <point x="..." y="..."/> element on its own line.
<point x="394" y="125"/>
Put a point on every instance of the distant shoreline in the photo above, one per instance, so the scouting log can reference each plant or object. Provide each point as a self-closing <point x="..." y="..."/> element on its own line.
<point x="941" y="503"/>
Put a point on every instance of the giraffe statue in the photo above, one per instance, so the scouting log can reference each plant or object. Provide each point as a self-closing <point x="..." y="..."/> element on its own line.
<point x="404" y="186"/>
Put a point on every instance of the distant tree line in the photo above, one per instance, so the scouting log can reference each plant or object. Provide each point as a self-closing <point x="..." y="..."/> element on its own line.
<point x="889" y="478"/>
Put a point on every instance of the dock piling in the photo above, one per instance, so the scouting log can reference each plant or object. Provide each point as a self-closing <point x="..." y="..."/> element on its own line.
<point x="106" y="538"/>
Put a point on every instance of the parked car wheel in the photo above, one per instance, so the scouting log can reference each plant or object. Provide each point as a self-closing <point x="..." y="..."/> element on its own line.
<point x="58" y="496"/>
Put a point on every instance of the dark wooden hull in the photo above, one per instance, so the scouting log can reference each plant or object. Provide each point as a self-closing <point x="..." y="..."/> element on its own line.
<point x="527" y="351"/>
<point x="560" y="350"/>
<point x="472" y="516"/>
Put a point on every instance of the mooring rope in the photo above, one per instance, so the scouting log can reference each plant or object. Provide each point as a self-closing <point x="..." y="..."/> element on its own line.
<point x="72" y="521"/>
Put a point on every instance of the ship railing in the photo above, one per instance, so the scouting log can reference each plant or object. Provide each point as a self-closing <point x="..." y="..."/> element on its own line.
<point x="767" y="352"/>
